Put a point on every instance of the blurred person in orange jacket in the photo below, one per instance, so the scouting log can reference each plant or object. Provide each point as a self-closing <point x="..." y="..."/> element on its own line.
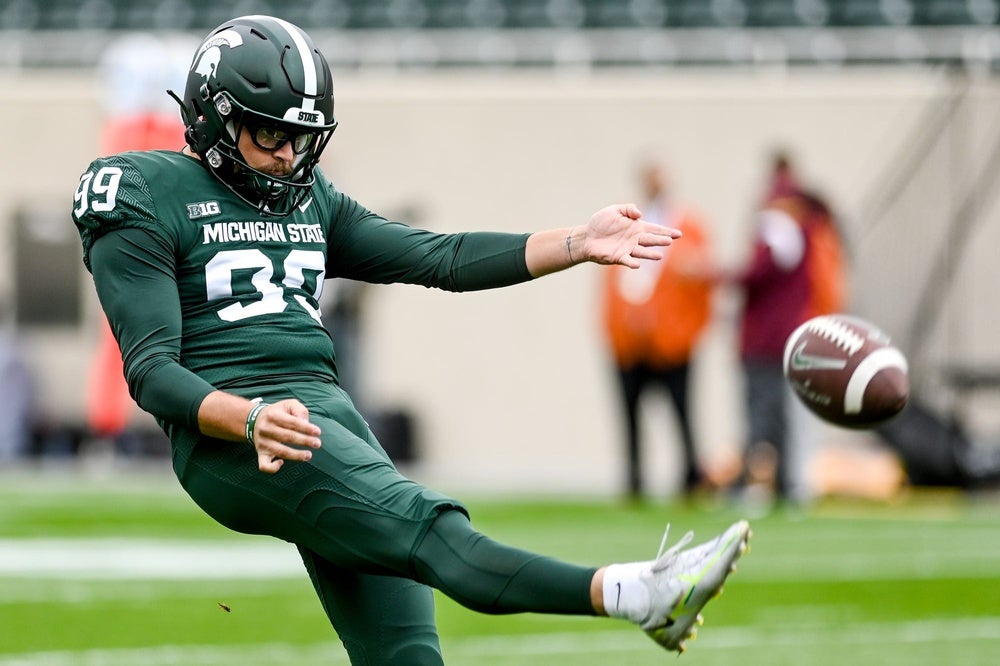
<point x="654" y="318"/>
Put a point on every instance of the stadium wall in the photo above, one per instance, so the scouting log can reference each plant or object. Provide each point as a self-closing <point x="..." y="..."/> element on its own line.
<point x="511" y="389"/>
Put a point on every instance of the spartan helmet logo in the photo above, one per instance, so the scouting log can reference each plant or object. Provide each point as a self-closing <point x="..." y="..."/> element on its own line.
<point x="206" y="61"/>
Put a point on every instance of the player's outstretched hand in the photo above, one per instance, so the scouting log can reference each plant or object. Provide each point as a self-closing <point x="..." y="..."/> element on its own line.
<point x="283" y="432"/>
<point x="618" y="235"/>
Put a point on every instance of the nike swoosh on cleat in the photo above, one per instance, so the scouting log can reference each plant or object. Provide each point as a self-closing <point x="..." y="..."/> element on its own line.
<point x="693" y="580"/>
<point x="618" y="601"/>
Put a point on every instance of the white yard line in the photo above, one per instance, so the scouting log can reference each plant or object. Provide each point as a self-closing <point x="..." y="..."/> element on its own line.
<point x="148" y="559"/>
<point x="950" y="630"/>
<point x="262" y="558"/>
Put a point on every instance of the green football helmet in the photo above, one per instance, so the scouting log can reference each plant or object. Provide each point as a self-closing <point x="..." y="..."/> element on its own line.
<point x="264" y="76"/>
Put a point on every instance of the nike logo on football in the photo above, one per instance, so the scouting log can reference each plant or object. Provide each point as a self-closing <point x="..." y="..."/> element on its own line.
<point x="802" y="361"/>
<point x="305" y="204"/>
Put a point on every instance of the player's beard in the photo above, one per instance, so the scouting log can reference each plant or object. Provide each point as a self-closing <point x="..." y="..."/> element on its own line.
<point x="279" y="168"/>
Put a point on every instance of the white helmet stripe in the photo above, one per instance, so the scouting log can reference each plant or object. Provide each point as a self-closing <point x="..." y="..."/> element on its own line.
<point x="308" y="65"/>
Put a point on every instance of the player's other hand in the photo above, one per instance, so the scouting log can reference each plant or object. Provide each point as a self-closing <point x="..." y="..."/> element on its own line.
<point x="618" y="235"/>
<point x="283" y="432"/>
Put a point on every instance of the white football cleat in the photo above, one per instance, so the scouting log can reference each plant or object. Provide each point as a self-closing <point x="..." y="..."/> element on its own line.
<point x="681" y="582"/>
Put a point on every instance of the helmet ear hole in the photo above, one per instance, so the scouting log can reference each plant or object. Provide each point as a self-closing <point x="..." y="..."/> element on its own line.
<point x="200" y="136"/>
<point x="223" y="104"/>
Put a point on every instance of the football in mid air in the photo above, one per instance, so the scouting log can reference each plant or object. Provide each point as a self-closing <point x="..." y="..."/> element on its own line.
<point x="846" y="371"/>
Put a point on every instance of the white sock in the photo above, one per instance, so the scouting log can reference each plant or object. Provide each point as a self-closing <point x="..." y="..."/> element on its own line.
<point x="626" y="596"/>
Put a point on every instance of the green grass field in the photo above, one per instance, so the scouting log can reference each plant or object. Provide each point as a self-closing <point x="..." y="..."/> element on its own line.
<point x="126" y="571"/>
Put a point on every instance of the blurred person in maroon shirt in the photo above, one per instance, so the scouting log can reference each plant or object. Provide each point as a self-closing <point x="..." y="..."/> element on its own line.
<point x="796" y="270"/>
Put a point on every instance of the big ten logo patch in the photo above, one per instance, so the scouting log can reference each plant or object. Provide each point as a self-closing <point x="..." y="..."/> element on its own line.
<point x="203" y="209"/>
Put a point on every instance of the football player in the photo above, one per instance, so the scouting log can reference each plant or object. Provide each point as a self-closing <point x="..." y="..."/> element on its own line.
<point x="209" y="263"/>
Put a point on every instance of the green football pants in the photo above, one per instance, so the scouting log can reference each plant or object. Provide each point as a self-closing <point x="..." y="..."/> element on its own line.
<point x="371" y="540"/>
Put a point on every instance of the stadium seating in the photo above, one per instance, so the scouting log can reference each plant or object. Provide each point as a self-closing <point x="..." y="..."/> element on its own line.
<point x="458" y="26"/>
<point x="509" y="14"/>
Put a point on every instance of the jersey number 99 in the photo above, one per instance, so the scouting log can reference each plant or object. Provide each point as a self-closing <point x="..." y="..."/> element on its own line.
<point x="97" y="191"/>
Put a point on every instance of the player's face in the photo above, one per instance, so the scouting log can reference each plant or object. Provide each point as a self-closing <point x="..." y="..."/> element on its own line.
<point x="277" y="161"/>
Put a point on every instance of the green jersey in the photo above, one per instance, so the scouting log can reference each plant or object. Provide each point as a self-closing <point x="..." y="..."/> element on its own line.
<point x="203" y="292"/>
